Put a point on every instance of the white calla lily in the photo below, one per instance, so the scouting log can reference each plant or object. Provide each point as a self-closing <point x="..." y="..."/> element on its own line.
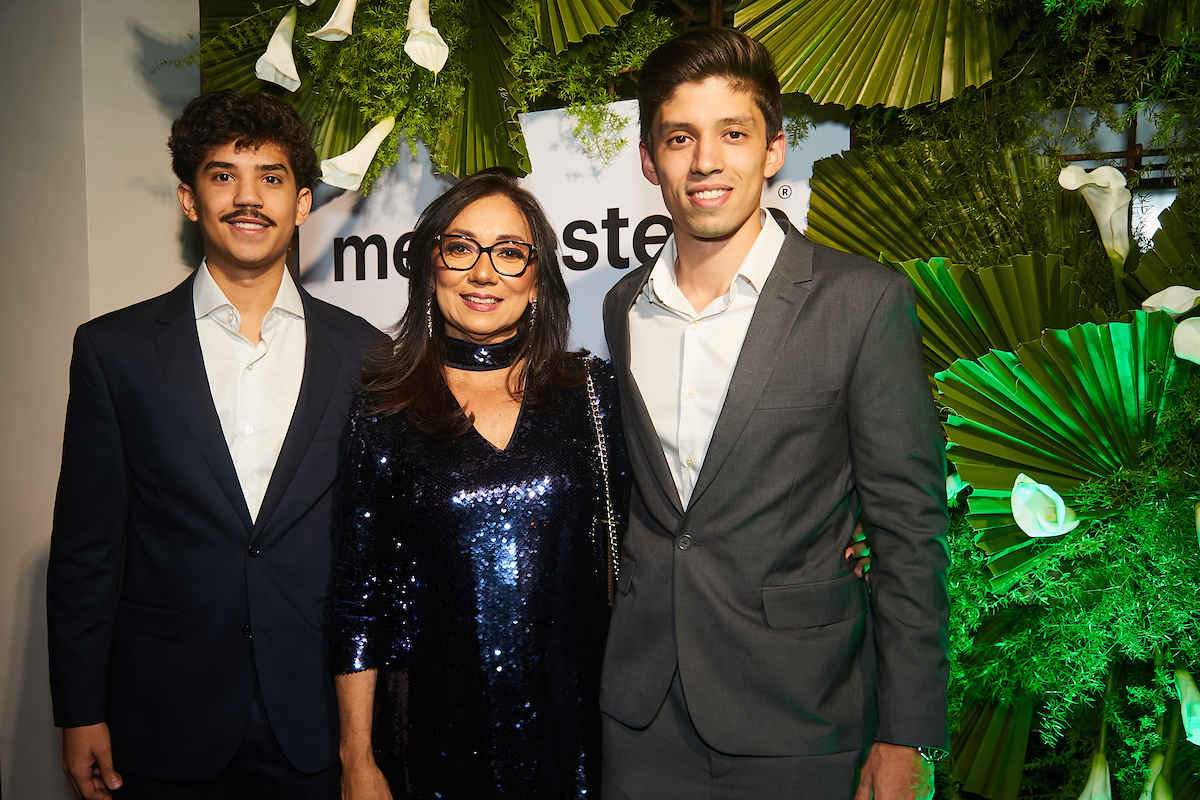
<point x="1175" y="300"/>
<point x="1187" y="340"/>
<point x="277" y="64"/>
<point x="308" y="2"/>
<point x="1154" y="788"/>
<point x="425" y="46"/>
<point x="1189" y="704"/>
<point x="1099" y="782"/>
<point x="1039" y="510"/>
<point x="1104" y="191"/>
<point x="340" y="24"/>
<point x="954" y="486"/>
<point x="346" y="171"/>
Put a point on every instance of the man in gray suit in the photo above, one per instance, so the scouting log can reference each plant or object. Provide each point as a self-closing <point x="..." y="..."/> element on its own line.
<point x="773" y="394"/>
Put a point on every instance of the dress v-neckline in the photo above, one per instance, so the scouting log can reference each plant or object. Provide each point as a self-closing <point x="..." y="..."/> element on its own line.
<point x="512" y="434"/>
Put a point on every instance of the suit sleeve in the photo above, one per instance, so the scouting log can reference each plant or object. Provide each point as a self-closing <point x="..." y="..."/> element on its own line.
<point x="86" y="545"/>
<point x="899" y="468"/>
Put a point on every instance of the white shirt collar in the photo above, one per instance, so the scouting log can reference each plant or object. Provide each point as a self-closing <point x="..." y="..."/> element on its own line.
<point x="207" y="297"/>
<point x="754" y="270"/>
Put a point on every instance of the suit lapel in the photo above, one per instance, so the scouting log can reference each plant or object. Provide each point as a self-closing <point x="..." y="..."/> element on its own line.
<point x="183" y="366"/>
<point x="321" y="367"/>
<point x="637" y="419"/>
<point x="779" y="304"/>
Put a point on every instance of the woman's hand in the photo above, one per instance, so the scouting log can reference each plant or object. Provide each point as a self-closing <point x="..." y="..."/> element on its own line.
<point x="858" y="553"/>
<point x="363" y="781"/>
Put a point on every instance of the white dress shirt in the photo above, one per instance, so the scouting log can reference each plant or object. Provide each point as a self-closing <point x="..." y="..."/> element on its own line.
<point x="254" y="387"/>
<point x="682" y="360"/>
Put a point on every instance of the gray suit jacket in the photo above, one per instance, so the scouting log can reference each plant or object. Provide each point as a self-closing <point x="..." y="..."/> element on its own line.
<point x="780" y="649"/>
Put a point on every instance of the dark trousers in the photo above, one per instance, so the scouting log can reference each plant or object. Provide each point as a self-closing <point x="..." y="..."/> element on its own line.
<point x="669" y="761"/>
<point x="259" y="771"/>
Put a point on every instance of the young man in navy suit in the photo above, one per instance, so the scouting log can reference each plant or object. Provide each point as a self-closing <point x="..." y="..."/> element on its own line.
<point x="194" y="531"/>
<point x="772" y="394"/>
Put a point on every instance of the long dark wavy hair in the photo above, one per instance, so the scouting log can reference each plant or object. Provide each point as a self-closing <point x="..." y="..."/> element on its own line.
<point x="411" y="378"/>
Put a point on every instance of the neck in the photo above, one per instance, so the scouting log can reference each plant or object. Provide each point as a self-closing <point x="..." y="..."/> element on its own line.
<point x="705" y="268"/>
<point x="252" y="292"/>
<point x="474" y="357"/>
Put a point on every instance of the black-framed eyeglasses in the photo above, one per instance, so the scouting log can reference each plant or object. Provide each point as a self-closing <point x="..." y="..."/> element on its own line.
<point x="510" y="258"/>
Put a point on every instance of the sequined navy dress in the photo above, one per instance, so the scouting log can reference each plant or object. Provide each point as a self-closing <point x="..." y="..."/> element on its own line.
<point x="475" y="580"/>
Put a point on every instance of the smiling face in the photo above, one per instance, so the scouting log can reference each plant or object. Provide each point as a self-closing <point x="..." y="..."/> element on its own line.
<point x="480" y="305"/>
<point x="248" y="204"/>
<point x="710" y="153"/>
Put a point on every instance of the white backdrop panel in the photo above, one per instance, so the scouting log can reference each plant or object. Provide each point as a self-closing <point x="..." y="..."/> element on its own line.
<point x="608" y="216"/>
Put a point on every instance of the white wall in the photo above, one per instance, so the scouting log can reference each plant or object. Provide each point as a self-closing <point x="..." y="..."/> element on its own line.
<point x="88" y="224"/>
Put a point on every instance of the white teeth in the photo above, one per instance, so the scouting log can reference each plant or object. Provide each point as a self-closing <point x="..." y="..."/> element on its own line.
<point x="710" y="194"/>
<point x="249" y="226"/>
<point x="488" y="301"/>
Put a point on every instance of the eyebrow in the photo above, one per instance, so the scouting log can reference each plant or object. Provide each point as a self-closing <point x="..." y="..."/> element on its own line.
<point x="504" y="237"/>
<point x="746" y="119"/>
<point x="230" y="166"/>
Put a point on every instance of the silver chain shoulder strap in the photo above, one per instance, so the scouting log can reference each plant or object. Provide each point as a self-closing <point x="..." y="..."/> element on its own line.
<point x="610" y="519"/>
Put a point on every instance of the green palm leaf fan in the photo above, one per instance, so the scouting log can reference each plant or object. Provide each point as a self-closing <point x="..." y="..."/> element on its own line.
<point x="1173" y="260"/>
<point x="483" y="130"/>
<point x="988" y="740"/>
<point x="965" y="314"/>
<point x="905" y="205"/>
<point x="867" y="52"/>
<point x="567" y="21"/>
<point x="333" y="116"/>
<point x="1166" y="19"/>
<point x="1074" y="405"/>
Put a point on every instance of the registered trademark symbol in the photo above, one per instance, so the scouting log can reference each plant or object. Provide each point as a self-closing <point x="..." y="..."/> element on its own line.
<point x="785" y="192"/>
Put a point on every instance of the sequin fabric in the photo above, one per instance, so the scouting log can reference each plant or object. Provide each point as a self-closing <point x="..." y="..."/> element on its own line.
<point x="474" y="579"/>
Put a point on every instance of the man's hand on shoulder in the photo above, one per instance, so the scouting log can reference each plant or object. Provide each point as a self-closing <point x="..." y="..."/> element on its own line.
<point x="895" y="772"/>
<point x="87" y="760"/>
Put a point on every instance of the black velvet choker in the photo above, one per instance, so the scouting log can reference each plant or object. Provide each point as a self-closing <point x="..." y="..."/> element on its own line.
<point x="482" y="357"/>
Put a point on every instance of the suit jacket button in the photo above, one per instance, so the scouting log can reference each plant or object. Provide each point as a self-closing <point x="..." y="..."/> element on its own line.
<point x="246" y="632"/>
<point x="685" y="542"/>
<point x="253" y="550"/>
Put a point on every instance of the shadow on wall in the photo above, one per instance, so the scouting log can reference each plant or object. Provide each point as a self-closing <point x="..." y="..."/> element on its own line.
<point x="36" y="768"/>
<point x="172" y="87"/>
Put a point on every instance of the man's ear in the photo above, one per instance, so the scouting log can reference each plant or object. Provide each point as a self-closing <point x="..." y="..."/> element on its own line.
<point x="187" y="201"/>
<point x="303" y="205"/>
<point x="776" y="150"/>
<point x="648" y="168"/>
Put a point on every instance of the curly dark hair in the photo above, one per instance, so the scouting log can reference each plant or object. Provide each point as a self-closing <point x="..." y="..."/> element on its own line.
<point x="709" y="53"/>
<point x="410" y="378"/>
<point x="247" y="119"/>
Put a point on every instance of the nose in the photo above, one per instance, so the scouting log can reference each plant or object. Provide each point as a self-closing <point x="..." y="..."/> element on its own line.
<point x="706" y="159"/>
<point x="483" y="272"/>
<point x="248" y="194"/>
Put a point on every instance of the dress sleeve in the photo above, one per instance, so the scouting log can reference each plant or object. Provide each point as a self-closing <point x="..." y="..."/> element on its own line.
<point x="362" y="623"/>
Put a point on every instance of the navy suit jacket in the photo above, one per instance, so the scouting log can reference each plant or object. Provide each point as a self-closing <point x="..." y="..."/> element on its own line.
<point x="164" y="599"/>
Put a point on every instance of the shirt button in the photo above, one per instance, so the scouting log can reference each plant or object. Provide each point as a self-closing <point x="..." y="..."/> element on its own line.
<point x="694" y="324"/>
<point x="691" y="393"/>
<point x="246" y="632"/>
<point x="249" y="429"/>
<point x="688" y="461"/>
<point x="253" y="550"/>
<point x="230" y="318"/>
<point x="685" y="542"/>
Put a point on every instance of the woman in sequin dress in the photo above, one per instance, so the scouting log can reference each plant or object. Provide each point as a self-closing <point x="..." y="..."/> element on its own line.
<point x="471" y="595"/>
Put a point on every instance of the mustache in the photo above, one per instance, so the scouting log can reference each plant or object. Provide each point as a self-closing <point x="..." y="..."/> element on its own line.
<point x="248" y="212"/>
